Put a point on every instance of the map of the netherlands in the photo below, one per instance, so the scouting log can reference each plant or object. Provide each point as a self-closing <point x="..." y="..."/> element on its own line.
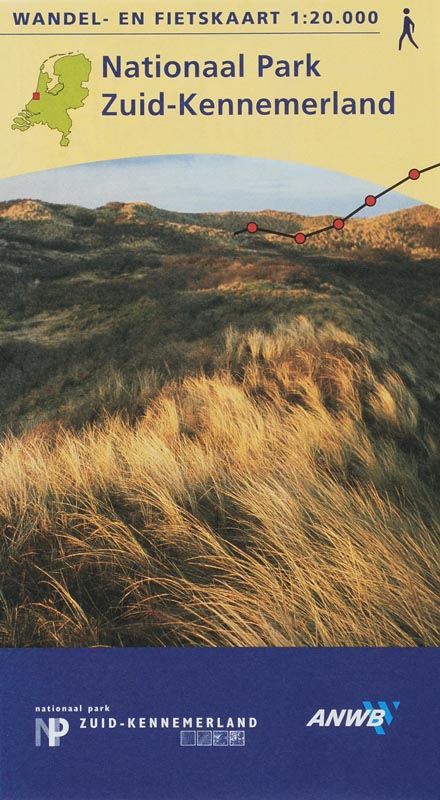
<point x="60" y="88"/>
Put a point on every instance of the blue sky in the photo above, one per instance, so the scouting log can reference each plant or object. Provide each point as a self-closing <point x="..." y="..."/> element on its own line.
<point x="203" y="183"/>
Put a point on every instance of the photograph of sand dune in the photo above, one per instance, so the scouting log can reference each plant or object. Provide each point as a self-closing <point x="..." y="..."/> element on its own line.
<point x="217" y="440"/>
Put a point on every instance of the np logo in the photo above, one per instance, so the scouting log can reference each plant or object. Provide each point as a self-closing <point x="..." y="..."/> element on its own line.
<point x="54" y="730"/>
<point x="372" y="717"/>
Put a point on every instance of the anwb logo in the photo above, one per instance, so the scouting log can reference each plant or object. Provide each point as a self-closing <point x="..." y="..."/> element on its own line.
<point x="372" y="717"/>
<point x="56" y="728"/>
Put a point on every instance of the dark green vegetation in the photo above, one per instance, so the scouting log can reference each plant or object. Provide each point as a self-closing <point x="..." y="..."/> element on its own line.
<point x="91" y="299"/>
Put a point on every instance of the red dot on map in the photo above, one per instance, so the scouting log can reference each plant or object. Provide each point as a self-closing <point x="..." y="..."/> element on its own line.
<point x="338" y="224"/>
<point x="36" y="96"/>
<point x="300" y="238"/>
<point x="370" y="200"/>
<point x="252" y="227"/>
<point x="414" y="174"/>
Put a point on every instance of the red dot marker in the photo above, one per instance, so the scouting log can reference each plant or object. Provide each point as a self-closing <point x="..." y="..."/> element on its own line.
<point x="252" y="227"/>
<point x="36" y="96"/>
<point x="414" y="174"/>
<point x="370" y="200"/>
<point x="300" y="238"/>
<point x="338" y="224"/>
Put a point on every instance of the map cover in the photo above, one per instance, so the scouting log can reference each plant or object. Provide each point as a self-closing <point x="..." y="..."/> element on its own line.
<point x="219" y="400"/>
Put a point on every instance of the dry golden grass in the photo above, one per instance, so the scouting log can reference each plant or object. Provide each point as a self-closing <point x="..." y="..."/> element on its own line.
<point x="287" y="500"/>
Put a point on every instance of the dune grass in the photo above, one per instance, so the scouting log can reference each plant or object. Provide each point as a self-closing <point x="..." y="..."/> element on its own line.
<point x="289" y="499"/>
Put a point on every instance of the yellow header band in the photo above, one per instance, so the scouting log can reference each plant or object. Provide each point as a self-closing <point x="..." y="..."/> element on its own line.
<point x="348" y="86"/>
